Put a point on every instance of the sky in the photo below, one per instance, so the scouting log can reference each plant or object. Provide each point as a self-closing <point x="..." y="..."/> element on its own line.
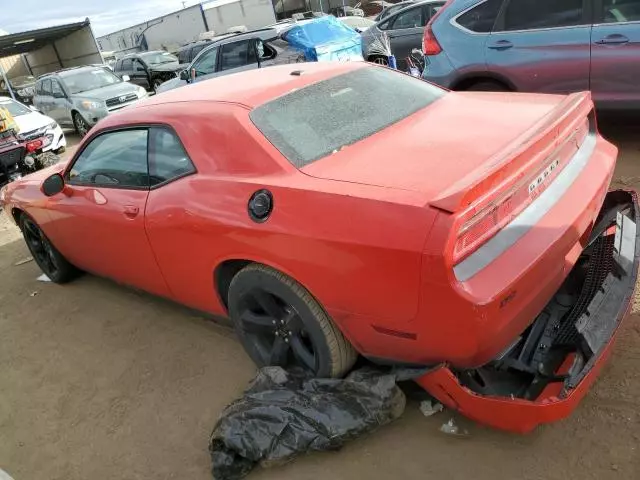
<point x="106" y="15"/>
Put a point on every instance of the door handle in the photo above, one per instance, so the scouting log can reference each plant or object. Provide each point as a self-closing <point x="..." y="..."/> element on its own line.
<point x="501" y="45"/>
<point x="131" y="211"/>
<point x="615" y="39"/>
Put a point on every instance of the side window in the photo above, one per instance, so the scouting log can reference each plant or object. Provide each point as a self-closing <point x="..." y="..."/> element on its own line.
<point x="46" y="87"/>
<point x="481" y="18"/>
<point x="431" y="9"/>
<point x="127" y="64"/>
<point x="265" y="51"/>
<point x="410" y="19"/>
<point x="621" y="11"/>
<point x="137" y="65"/>
<point x="536" y="14"/>
<point x="384" y="25"/>
<point x="237" y="54"/>
<point x="195" y="51"/>
<point x="115" y="159"/>
<point x="167" y="158"/>
<point x="206" y="64"/>
<point x="56" y="89"/>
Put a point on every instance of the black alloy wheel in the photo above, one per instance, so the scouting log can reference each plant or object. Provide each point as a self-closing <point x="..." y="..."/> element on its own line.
<point x="48" y="258"/>
<point x="40" y="248"/>
<point x="279" y="323"/>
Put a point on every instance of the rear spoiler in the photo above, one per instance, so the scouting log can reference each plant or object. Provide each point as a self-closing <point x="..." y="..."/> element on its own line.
<point x="482" y="180"/>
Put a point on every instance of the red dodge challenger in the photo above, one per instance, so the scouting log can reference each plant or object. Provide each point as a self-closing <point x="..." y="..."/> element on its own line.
<point x="337" y="210"/>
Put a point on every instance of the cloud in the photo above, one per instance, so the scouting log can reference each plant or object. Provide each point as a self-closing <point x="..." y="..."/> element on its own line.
<point x="106" y="16"/>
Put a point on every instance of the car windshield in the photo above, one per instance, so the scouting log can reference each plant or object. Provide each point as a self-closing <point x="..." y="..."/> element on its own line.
<point x="322" y="118"/>
<point x="85" y="80"/>
<point x="158" y="58"/>
<point x="15" y="109"/>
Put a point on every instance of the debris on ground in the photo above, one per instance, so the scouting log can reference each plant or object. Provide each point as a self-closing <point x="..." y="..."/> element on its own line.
<point x="23" y="261"/>
<point x="450" y="428"/>
<point x="43" y="278"/>
<point x="429" y="408"/>
<point x="283" y="414"/>
<point x="33" y="294"/>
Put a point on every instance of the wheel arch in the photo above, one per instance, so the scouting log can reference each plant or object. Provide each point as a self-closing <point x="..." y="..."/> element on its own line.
<point x="465" y="81"/>
<point x="16" y="213"/>
<point x="229" y="267"/>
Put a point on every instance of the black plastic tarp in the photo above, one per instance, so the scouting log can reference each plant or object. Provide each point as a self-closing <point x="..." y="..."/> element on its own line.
<point x="283" y="414"/>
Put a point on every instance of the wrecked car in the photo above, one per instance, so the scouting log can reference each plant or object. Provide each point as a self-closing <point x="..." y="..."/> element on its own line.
<point x="468" y="232"/>
<point x="148" y="69"/>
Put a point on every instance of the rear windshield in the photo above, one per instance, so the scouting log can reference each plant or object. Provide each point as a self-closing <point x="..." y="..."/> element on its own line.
<point x="324" y="117"/>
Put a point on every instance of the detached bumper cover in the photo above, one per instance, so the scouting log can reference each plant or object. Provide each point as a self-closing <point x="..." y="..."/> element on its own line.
<point x="565" y="354"/>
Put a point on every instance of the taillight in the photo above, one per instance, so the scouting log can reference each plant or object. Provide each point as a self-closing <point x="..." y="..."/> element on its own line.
<point x="33" y="145"/>
<point x="430" y="45"/>
<point x="485" y="218"/>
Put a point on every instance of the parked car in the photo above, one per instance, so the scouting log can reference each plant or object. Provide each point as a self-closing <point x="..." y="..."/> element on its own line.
<point x="346" y="11"/>
<point x="148" y="69"/>
<point x="538" y="46"/>
<point x="79" y="97"/>
<point x="228" y="54"/>
<point x="22" y="88"/>
<point x="404" y="30"/>
<point x="34" y="125"/>
<point x="393" y="8"/>
<point x="329" y="221"/>
<point x="359" y="24"/>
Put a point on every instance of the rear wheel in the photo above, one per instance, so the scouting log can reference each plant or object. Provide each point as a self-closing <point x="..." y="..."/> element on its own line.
<point x="280" y="323"/>
<point x="48" y="258"/>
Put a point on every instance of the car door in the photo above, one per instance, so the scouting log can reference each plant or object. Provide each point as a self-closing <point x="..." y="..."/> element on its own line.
<point x="98" y="221"/>
<point x="140" y="75"/>
<point x="126" y="68"/>
<point x="405" y="30"/>
<point x="45" y="99"/>
<point x="542" y="45"/>
<point x="615" y="54"/>
<point x="59" y="110"/>
<point x="238" y="56"/>
<point x="205" y="65"/>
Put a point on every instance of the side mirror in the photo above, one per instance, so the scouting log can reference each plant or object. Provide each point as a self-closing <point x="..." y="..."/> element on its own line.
<point x="126" y="78"/>
<point x="184" y="75"/>
<point x="53" y="185"/>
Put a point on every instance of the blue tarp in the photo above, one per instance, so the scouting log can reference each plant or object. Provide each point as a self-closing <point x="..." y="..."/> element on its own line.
<point x="325" y="38"/>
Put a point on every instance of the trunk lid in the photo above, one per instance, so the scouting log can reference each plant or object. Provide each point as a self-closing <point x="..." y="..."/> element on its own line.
<point x="457" y="146"/>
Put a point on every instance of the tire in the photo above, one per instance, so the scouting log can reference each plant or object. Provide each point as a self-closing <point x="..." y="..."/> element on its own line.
<point x="49" y="259"/>
<point x="279" y="323"/>
<point x="379" y="60"/>
<point x="487" y="86"/>
<point x="80" y="124"/>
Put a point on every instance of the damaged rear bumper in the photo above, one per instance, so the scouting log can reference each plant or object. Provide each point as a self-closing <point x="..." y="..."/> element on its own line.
<point x="545" y="373"/>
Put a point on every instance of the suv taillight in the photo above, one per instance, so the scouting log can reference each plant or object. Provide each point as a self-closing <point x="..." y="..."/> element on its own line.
<point x="430" y="45"/>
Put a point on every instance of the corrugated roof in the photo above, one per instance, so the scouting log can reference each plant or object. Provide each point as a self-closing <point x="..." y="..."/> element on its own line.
<point x="24" y="42"/>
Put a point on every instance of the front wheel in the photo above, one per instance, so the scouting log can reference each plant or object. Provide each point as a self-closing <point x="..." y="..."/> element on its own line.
<point x="80" y="124"/>
<point x="280" y="323"/>
<point x="48" y="258"/>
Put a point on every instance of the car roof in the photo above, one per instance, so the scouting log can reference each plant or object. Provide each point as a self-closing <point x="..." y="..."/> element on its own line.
<point x="249" y="89"/>
<point x="65" y="71"/>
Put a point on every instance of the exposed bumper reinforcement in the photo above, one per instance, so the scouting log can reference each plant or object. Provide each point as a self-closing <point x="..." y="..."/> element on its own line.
<point x="543" y="376"/>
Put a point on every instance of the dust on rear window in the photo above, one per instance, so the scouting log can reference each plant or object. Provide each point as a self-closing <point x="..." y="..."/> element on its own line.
<point x="315" y="121"/>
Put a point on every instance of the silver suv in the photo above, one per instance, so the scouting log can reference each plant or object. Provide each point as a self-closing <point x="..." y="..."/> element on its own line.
<point x="79" y="97"/>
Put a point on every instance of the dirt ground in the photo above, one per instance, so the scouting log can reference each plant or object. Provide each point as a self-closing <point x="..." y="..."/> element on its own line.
<point x="101" y="382"/>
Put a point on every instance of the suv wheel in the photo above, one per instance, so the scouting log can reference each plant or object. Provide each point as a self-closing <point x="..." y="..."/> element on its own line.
<point x="81" y="125"/>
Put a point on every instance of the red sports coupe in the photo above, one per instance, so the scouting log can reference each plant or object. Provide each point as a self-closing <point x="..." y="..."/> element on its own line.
<point x="337" y="210"/>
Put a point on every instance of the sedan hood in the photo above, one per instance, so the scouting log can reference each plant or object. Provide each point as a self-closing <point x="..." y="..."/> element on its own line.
<point x="449" y="144"/>
<point x="110" y="91"/>
<point x="171" y="84"/>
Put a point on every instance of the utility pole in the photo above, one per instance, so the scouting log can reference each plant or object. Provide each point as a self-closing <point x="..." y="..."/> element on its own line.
<point x="184" y="4"/>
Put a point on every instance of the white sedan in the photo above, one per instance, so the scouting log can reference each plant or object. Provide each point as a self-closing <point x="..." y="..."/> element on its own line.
<point x="33" y="125"/>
